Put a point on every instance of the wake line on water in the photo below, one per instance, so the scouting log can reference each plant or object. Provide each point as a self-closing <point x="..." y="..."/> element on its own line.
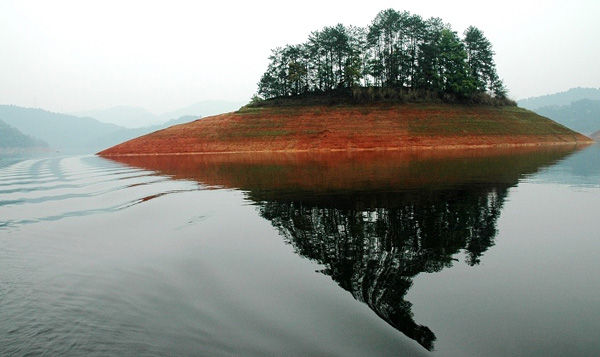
<point x="116" y="208"/>
<point x="39" y="190"/>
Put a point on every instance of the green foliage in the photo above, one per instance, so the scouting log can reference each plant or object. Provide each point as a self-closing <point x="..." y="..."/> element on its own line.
<point x="479" y="58"/>
<point x="398" y="50"/>
<point x="256" y="99"/>
<point x="453" y="66"/>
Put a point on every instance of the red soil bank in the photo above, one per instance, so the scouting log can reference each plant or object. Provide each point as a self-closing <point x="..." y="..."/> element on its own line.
<point x="373" y="127"/>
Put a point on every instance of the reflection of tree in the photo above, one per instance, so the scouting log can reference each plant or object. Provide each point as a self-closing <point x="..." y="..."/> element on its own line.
<point x="373" y="252"/>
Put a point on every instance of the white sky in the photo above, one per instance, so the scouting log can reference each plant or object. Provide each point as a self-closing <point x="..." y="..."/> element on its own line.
<point x="72" y="56"/>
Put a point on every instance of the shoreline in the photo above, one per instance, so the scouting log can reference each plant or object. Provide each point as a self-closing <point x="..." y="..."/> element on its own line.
<point x="414" y="148"/>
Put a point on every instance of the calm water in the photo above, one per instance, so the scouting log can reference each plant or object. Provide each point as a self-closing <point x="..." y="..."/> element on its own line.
<point x="485" y="254"/>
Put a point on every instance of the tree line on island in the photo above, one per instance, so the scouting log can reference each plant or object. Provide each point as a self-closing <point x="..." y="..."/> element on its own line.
<point x="399" y="57"/>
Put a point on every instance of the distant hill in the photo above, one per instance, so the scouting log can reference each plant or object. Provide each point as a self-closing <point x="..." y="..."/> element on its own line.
<point x="595" y="135"/>
<point x="204" y="108"/>
<point x="135" y="117"/>
<point x="12" y="140"/>
<point x="562" y="98"/>
<point x="66" y="133"/>
<point x="582" y="115"/>
<point x="124" y="134"/>
<point x="125" y="116"/>
<point x="180" y="120"/>
<point x="72" y="134"/>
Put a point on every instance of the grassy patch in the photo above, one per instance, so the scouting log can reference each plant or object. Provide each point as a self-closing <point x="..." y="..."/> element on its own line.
<point x="256" y="133"/>
<point x="312" y="132"/>
<point x="485" y="121"/>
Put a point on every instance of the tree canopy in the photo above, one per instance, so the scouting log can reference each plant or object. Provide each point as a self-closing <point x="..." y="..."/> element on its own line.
<point x="398" y="52"/>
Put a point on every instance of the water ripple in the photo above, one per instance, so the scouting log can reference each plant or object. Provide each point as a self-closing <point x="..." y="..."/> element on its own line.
<point x="50" y="189"/>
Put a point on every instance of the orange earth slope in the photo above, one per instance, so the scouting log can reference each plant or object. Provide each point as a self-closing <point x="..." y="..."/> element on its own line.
<point x="372" y="127"/>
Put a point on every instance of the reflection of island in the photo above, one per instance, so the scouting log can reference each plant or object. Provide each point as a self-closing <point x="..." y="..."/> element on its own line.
<point x="373" y="221"/>
<point x="374" y="252"/>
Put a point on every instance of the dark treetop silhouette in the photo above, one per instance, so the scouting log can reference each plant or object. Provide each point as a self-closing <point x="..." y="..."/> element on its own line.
<point x="375" y="252"/>
<point x="399" y="56"/>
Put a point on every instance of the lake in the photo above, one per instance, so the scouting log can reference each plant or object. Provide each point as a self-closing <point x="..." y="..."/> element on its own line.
<point x="475" y="253"/>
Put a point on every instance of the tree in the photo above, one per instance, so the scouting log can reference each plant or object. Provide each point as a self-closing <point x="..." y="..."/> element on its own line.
<point x="453" y="70"/>
<point x="414" y="33"/>
<point x="354" y="66"/>
<point x="287" y="73"/>
<point x="480" y="59"/>
<point x="296" y="74"/>
<point x="271" y="84"/>
<point x="398" y="51"/>
<point x="382" y="39"/>
<point x="334" y="57"/>
<point x="498" y="88"/>
<point x="427" y="74"/>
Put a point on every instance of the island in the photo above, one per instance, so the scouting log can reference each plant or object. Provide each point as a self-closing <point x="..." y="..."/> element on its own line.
<point x="402" y="83"/>
<point x="373" y="127"/>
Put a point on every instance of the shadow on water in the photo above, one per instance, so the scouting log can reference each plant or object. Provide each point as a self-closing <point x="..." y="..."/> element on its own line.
<point x="374" y="220"/>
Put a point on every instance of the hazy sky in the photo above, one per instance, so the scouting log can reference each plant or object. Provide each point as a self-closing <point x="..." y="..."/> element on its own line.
<point x="73" y="56"/>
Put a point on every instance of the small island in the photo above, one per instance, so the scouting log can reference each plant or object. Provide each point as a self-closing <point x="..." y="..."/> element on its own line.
<point x="402" y="83"/>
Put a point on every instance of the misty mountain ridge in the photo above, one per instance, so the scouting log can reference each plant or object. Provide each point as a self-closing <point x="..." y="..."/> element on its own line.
<point x="12" y="140"/>
<point x="63" y="132"/>
<point x="125" y="134"/>
<point x="582" y="115"/>
<point x="577" y="108"/>
<point x="562" y="98"/>
<point x="137" y="117"/>
<point x="205" y="108"/>
<point x="72" y="134"/>
<point x="122" y="115"/>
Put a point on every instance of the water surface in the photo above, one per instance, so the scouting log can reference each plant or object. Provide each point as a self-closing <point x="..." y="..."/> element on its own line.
<point x="473" y="254"/>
